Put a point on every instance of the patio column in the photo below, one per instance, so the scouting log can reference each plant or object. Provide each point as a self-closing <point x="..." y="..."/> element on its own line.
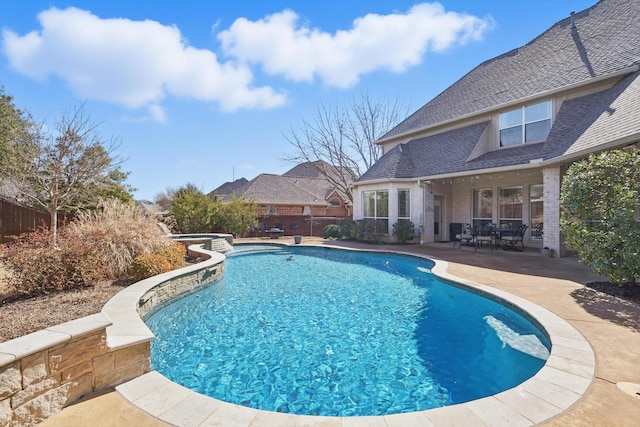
<point x="552" y="181"/>
<point x="428" y="214"/>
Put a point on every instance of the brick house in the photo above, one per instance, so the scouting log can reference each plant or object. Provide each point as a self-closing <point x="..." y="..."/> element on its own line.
<point x="494" y="146"/>
<point x="300" y="201"/>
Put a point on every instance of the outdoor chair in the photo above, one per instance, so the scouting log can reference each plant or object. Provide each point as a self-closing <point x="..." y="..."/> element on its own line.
<point x="466" y="236"/>
<point x="485" y="236"/>
<point x="510" y="241"/>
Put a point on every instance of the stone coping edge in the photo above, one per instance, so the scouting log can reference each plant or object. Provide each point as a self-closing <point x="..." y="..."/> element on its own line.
<point x="128" y="328"/>
<point x="557" y="386"/>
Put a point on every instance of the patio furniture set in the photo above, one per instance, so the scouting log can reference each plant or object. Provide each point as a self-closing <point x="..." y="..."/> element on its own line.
<point x="510" y="238"/>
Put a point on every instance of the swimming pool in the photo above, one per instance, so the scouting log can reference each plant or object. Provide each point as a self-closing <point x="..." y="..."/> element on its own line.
<point x="284" y="331"/>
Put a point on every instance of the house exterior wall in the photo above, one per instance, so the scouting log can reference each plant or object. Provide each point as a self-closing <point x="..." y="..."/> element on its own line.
<point x="416" y="201"/>
<point x="462" y="190"/>
<point x="456" y="194"/>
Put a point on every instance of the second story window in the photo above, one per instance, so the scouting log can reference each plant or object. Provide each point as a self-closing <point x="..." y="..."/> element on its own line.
<point x="530" y="123"/>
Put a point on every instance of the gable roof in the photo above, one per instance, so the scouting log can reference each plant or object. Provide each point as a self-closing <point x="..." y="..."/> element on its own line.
<point x="582" y="124"/>
<point x="432" y="155"/>
<point x="606" y="41"/>
<point x="228" y="188"/>
<point x="588" y="122"/>
<point x="268" y="189"/>
<point x="307" y="169"/>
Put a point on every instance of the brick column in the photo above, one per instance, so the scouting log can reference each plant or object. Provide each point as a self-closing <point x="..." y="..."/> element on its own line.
<point x="552" y="181"/>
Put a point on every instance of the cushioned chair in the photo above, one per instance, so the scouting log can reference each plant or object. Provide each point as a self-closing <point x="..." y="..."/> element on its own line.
<point x="510" y="241"/>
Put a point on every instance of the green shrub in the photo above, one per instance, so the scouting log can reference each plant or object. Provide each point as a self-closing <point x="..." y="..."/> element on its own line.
<point x="349" y="230"/>
<point x="403" y="230"/>
<point x="374" y="230"/>
<point x="600" y="210"/>
<point x="331" y="231"/>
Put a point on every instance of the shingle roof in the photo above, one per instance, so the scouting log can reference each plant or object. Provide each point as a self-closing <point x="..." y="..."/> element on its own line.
<point x="432" y="155"/>
<point x="308" y="169"/>
<point x="581" y="124"/>
<point x="229" y="188"/>
<point x="286" y="190"/>
<point x="607" y="41"/>
<point x="587" y="122"/>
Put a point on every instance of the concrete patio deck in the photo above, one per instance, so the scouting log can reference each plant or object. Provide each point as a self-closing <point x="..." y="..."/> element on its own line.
<point x="611" y="325"/>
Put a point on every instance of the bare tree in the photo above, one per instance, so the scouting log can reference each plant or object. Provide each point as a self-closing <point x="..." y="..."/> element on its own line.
<point x="341" y="141"/>
<point x="65" y="170"/>
<point x="164" y="198"/>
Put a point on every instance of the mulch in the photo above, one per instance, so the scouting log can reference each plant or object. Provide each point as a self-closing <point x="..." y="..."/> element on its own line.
<point x="23" y="315"/>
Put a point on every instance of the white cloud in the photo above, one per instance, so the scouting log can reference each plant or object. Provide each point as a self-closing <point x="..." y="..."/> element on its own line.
<point x="395" y="42"/>
<point x="155" y="113"/>
<point x="131" y="63"/>
<point x="140" y="63"/>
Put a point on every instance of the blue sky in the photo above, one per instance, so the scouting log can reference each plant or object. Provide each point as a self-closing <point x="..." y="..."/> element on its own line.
<point x="201" y="91"/>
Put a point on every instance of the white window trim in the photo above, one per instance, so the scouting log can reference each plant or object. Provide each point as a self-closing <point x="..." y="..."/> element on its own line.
<point x="523" y="123"/>
<point x="408" y="217"/>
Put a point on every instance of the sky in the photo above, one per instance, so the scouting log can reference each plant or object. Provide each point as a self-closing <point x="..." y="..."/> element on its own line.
<point x="204" y="92"/>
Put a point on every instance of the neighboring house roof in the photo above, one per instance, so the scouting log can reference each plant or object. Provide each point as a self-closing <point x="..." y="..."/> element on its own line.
<point x="315" y="170"/>
<point x="308" y="169"/>
<point x="606" y="41"/>
<point x="268" y="189"/>
<point x="228" y="188"/>
<point x="152" y="208"/>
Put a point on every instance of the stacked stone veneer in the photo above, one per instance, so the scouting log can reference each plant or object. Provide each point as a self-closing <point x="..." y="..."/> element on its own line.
<point x="43" y="372"/>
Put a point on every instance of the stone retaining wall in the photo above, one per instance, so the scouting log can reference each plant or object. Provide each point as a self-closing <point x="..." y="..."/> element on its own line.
<point x="42" y="372"/>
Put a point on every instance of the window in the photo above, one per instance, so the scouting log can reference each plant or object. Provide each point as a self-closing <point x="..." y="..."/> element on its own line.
<point x="271" y="210"/>
<point x="404" y="203"/>
<point x="334" y="202"/>
<point x="536" y="201"/>
<point x="530" y="123"/>
<point x="306" y="210"/>
<point x="482" y="212"/>
<point x="376" y="206"/>
<point x="510" y="206"/>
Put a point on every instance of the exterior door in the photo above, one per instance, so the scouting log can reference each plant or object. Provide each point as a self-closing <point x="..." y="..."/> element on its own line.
<point x="438" y="235"/>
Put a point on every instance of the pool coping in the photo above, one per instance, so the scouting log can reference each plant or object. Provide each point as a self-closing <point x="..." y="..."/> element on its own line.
<point x="557" y="386"/>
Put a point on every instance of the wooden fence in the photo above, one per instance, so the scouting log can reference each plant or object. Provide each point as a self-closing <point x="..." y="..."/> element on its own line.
<point x="292" y="225"/>
<point x="16" y="219"/>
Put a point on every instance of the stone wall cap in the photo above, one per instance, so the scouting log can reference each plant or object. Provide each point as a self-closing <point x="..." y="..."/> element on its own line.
<point x="82" y="326"/>
<point x="32" y="343"/>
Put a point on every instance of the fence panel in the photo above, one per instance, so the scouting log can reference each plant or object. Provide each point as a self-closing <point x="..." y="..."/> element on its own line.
<point x="292" y="225"/>
<point x="16" y="219"/>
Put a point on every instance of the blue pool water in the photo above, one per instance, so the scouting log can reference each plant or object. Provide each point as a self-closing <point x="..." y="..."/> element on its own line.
<point x="331" y="332"/>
